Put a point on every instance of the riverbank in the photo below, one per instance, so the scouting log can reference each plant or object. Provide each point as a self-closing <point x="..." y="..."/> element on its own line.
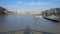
<point x="26" y="12"/>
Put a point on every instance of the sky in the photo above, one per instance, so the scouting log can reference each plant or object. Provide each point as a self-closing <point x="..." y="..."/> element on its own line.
<point x="29" y="5"/>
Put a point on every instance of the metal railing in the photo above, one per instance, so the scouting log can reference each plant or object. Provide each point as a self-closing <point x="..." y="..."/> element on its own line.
<point x="22" y="32"/>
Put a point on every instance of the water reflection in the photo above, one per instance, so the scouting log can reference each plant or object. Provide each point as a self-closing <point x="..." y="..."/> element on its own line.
<point x="2" y="18"/>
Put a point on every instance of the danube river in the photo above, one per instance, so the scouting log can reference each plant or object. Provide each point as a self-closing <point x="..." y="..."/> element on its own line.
<point x="18" y="22"/>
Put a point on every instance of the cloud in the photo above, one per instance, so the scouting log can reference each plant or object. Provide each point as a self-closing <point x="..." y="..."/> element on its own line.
<point x="33" y="3"/>
<point x="37" y="3"/>
<point x="12" y="6"/>
<point x="28" y="4"/>
<point x="47" y="3"/>
<point x="19" y="2"/>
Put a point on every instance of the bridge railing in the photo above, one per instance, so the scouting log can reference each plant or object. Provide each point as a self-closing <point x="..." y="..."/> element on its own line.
<point x="22" y="32"/>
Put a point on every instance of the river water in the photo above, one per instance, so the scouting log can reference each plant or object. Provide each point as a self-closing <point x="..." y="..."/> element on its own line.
<point x="18" y="22"/>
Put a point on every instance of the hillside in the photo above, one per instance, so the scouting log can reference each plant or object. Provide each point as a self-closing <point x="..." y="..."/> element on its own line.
<point x="52" y="11"/>
<point x="4" y="11"/>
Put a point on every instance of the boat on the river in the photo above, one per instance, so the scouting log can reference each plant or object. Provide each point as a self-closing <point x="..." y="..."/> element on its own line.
<point x="52" y="18"/>
<point x="37" y="15"/>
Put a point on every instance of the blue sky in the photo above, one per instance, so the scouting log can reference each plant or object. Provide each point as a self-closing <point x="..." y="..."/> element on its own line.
<point x="30" y="5"/>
